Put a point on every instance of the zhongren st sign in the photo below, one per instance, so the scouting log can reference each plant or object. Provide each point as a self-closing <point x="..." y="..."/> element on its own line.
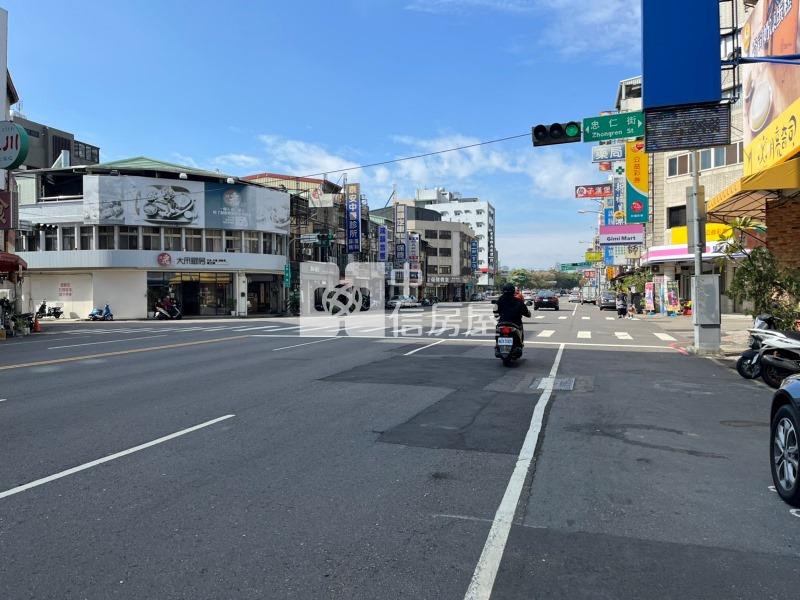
<point x="621" y="235"/>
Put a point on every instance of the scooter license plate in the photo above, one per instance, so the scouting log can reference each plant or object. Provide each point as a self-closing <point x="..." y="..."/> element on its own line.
<point x="505" y="341"/>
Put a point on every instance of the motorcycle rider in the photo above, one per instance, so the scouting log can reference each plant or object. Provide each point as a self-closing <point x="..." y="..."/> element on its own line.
<point x="511" y="308"/>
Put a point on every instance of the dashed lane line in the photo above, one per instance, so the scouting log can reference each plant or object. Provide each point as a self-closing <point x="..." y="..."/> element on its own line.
<point x="623" y="335"/>
<point x="584" y="335"/>
<point x="546" y="333"/>
<point x="424" y="347"/>
<point x="664" y="337"/>
<point x="146" y="337"/>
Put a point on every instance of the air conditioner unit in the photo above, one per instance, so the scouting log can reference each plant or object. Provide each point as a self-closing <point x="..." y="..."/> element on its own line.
<point x="656" y="269"/>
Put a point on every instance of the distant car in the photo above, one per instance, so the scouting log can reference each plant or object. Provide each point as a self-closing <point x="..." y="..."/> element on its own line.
<point x="477" y="297"/>
<point x="402" y="302"/>
<point x="545" y="299"/>
<point x="784" y="436"/>
<point x="574" y="297"/>
<point x="606" y="300"/>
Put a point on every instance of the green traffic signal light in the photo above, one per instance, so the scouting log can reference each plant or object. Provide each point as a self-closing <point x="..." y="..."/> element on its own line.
<point x="557" y="133"/>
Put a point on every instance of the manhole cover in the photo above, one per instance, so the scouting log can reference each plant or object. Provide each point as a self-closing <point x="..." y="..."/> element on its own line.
<point x="563" y="384"/>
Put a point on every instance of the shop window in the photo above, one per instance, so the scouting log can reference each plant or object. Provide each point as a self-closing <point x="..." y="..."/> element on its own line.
<point x="280" y="244"/>
<point x="445" y="234"/>
<point x="433" y="251"/>
<point x="444" y="270"/>
<point x="213" y="240"/>
<point x="29" y="241"/>
<point x="68" y="238"/>
<point x="731" y="154"/>
<point x="105" y="237"/>
<point x="683" y="164"/>
<point x="51" y="239"/>
<point x="194" y="240"/>
<point x="445" y="252"/>
<point x="128" y="238"/>
<point x="719" y="157"/>
<point x="86" y="237"/>
<point x="233" y="241"/>
<point x="172" y="238"/>
<point x="676" y="216"/>
<point x="266" y="244"/>
<point x="151" y="238"/>
<point x="251" y="242"/>
<point x="433" y="269"/>
<point x="431" y="234"/>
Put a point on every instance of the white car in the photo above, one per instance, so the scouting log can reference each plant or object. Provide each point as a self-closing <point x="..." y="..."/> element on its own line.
<point x="575" y="297"/>
<point x="402" y="302"/>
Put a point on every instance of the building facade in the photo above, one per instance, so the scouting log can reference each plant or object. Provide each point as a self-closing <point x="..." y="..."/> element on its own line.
<point x="130" y="232"/>
<point x="45" y="145"/>
<point x="478" y="214"/>
<point x="448" y="273"/>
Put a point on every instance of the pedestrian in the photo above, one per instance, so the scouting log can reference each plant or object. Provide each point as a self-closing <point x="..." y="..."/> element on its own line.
<point x="622" y="305"/>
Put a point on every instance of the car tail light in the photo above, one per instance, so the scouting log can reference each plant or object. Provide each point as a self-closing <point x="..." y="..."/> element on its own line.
<point x="505" y="330"/>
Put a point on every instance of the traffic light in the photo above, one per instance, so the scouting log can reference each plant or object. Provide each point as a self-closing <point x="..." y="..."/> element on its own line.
<point x="557" y="133"/>
<point x="325" y="239"/>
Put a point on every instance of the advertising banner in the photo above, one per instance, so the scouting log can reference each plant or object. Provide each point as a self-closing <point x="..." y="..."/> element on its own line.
<point x="608" y="219"/>
<point x="637" y="188"/>
<point x="771" y="92"/>
<point x="602" y="190"/>
<point x="473" y="255"/>
<point x="400" y="233"/>
<point x="125" y="200"/>
<point x="618" y="187"/>
<point x="383" y="243"/>
<point x="621" y="235"/>
<point x="593" y="257"/>
<point x="608" y="153"/>
<point x="649" y="297"/>
<point x="352" y="217"/>
<point x="6" y="212"/>
<point x="318" y="199"/>
<point x="633" y="252"/>
<point x="673" y="299"/>
<point x="13" y="145"/>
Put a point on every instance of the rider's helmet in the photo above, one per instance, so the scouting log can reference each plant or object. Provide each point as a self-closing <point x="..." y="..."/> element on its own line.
<point x="508" y="288"/>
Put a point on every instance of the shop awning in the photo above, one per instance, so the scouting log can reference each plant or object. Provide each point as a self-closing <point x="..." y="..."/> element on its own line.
<point x="11" y="263"/>
<point x="680" y="253"/>
<point x="748" y="197"/>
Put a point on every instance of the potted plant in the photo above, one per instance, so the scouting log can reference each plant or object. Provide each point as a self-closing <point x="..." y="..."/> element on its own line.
<point x="232" y="306"/>
<point x="21" y="325"/>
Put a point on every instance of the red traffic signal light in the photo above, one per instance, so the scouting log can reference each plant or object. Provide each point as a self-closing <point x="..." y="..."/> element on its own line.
<point x="557" y="133"/>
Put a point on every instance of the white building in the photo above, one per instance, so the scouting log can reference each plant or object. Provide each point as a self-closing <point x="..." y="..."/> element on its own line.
<point x="476" y="213"/>
<point x="130" y="232"/>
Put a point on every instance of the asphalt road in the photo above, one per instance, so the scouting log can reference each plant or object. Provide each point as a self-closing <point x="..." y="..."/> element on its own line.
<point x="241" y="459"/>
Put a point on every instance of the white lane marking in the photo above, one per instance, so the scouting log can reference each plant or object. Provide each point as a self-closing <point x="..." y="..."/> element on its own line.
<point x="562" y="318"/>
<point x="3" y="399"/>
<point x="546" y="333"/>
<point x="110" y="457"/>
<point x="480" y="588"/>
<point x="327" y="339"/>
<point x="376" y="329"/>
<point x="423" y="347"/>
<point x="586" y="318"/>
<point x="575" y="310"/>
<point x="622" y="335"/>
<point x="288" y="328"/>
<point x="609" y="318"/>
<point x="146" y="337"/>
<point x="585" y="335"/>
<point x="539" y="317"/>
<point x="264" y="327"/>
<point x="665" y="337"/>
<point x="201" y="328"/>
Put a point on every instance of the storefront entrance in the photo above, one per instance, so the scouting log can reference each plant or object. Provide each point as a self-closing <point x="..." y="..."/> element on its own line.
<point x="263" y="294"/>
<point x="198" y="294"/>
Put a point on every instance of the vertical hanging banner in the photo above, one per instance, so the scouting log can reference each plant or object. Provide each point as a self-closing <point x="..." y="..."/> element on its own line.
<point x="473" y="255"/>
<point x="352" y="217"/>
<point x="637" y="187"/>
<point x="649" y="296"/>
<point x="383" y="243"/>
<point x="6" y="212"/>
<point x="608" y="219"/>
<point x="618" y="186"/>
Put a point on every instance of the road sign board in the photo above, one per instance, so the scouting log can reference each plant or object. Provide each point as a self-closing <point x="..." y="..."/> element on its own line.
<point x="309" y="238"/>
<point x="287" y="275"/>
<point x="613" y="127"/>
<point x="573" y="267"/>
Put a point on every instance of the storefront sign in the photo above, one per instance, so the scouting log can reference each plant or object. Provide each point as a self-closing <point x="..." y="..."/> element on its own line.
<point x="490" y="246"/>
<point x="13" y="145"/>
<point x="352" y="217"/>
<point x="6" y="212"/>
<point x="318" y="199"/>
<point x="633" y="252"/>
<point x="593" y="256"/>
<point x="65" y="290"/>
<point x="164" y="259"/>
<point x="383" y="243"/>
<point x="400" y="252"/>
<point x="127" y="200"/>
<point x="608" y="152"/>
<point x="637" y="174"/>
<point x="771" y="92"/>
<point x="621" y="235"/>
<point x="287" y="275"/>
<point x="593" y="191"/>
<point x="618" y="187"/>
<point x="687" y="127"/>
<point x="588" y="273"/>
<point x="413" y="247"/>
<point x="473" y="255"/>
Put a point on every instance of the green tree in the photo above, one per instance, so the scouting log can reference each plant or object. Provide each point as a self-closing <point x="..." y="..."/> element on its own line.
<point x="520" y="278"/>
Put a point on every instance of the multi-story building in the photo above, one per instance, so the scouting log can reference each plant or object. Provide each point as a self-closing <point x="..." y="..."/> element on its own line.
<point x="478" y="214"/>
<point x="45" y="145"/>
<point x="130" y="232"/>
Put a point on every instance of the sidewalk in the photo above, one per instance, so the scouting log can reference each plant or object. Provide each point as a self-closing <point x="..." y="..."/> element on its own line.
<point x="734" y="330"/>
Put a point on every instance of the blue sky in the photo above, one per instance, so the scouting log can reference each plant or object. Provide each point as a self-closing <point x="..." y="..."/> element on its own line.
<point x="315" y="85"/>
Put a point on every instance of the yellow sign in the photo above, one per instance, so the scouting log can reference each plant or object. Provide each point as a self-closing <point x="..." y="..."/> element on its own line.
<point x="637" y="201"/>
<point x="714" y="232"/>
<point x="593" y="257"/>
<point x="777" y="143"/>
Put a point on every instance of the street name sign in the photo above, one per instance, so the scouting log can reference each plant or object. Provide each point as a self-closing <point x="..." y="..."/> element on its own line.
<point x="613" y="127"/>
<point x="574" y="267"/>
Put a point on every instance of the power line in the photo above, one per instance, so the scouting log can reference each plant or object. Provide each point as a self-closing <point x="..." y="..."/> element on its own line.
<point x="396" y="160"/>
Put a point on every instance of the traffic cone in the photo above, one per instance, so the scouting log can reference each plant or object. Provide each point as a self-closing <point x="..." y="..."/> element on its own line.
<point x="37" y="327"/>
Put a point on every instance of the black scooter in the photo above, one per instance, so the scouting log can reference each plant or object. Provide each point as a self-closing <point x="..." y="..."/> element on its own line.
<point x="749" y="363"/>
<point x="49" y="311"/>
<point x="161" y="312"/>
<point x="508" y="342"/>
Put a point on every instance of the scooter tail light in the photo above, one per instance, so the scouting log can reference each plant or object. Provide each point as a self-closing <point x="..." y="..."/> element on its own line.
<point x="505" y="330"/>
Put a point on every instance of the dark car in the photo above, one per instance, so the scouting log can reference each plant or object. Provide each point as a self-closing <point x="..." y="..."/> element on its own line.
<point x="607" y="300"/>
<point x="784" y="433"/>
<point x="545" y="299"/>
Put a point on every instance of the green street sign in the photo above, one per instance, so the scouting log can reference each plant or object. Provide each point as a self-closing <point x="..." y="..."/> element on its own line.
<point x="287" y="275"/>
<point x="613" y="127"/>
<point x="572" y="267"/>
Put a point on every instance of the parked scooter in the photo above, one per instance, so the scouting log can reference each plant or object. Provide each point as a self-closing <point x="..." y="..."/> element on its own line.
<point x="749" y="363"/>
<point x="780" y="356"/>
<point x="49" y="311"/>
<point x="162" y="312"/>
<point x="103" y="314"/>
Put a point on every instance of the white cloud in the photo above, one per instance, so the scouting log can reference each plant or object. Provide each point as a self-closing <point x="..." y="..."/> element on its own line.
<point x="184" y="160"/>
<point x="239" y="161"/>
